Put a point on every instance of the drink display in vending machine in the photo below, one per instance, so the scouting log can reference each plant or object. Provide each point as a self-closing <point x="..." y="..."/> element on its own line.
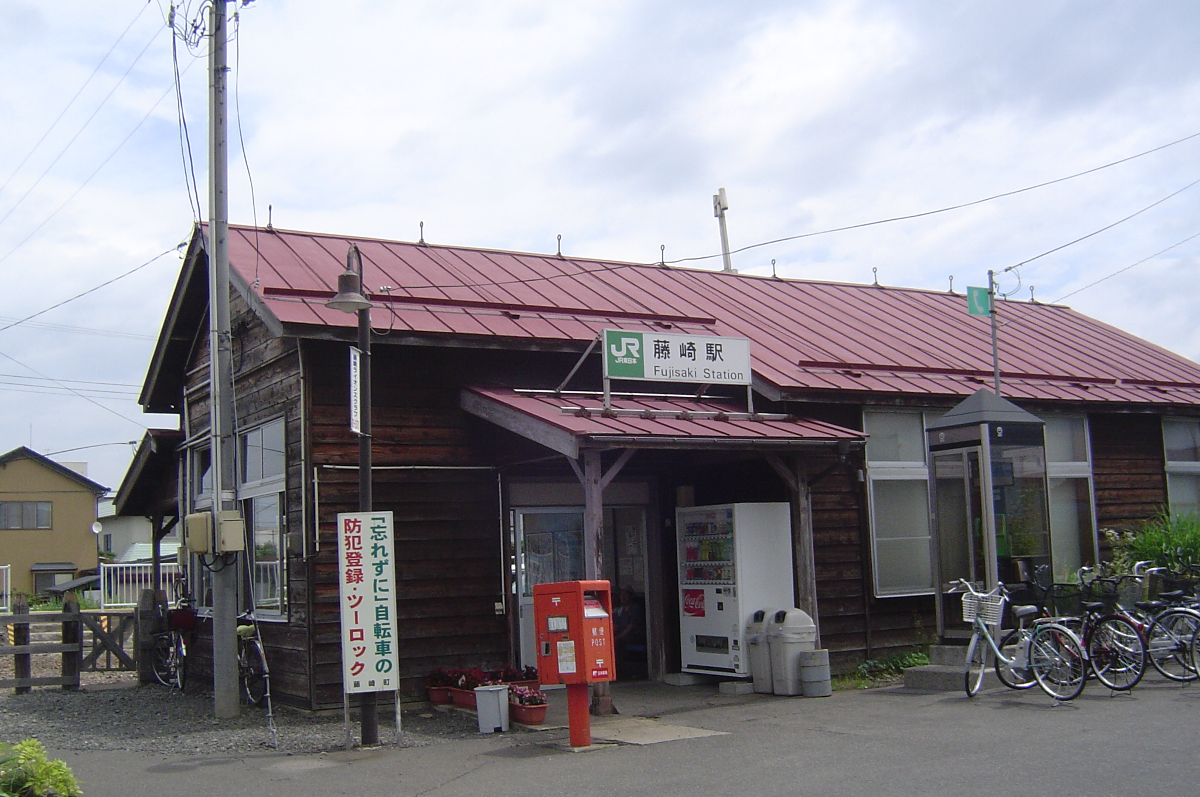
<point x="733" y="560"/>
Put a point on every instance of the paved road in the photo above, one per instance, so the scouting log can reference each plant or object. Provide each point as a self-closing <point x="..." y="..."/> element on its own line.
<point x="889" y="742"/>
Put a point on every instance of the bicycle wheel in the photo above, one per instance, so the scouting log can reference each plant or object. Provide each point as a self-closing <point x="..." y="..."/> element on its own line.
<point x="979" y="658"/>
<point x="161" y="660"/>
<point x="1169" y="643"/>
<point x="254" y="672"/>
<point x="1057" y="661"/>
<point x="180" y="662"/>
<point x="1117" y="653"/>
<point x="1014" y="673"/>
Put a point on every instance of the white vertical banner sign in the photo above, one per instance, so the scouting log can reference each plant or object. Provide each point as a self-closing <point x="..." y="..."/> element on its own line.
<point x="367" y="594"/>
<point x="355" y="390"/>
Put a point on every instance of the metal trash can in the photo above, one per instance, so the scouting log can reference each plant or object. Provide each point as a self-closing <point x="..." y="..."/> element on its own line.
<point x="789" y="632"/>
<point x="759" y="651"/>
<point x="814" y="673"/>
<point x="491" y="704"/>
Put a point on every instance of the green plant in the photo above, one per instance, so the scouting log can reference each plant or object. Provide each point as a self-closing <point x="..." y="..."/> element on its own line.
<point x="874" y="672"/>
<point x="26" y="772"/>
<point x="1167" y="540"/>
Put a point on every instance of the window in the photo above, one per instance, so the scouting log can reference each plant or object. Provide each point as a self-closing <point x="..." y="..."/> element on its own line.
<point x="262" y="494"/>
<point x="1069" y="470"/>
<point x="25" y="515"/>
<point x="898" y="497"/>
<point x="1181" y="444"/>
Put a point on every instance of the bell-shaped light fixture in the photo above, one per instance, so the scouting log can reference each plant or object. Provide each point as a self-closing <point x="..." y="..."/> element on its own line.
<point x="349" y="297"/>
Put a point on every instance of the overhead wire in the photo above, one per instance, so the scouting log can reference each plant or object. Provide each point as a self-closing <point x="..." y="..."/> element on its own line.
<point x="71" y="102"/>
<point x="71" y="390"/>
<point x="79" y="132"/>
<point x="93" y="289"/>
<point x="191" y="184"/>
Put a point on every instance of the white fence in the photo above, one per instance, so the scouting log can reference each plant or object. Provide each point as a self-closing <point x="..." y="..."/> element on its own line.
<point x="121" y="584"/>
<point x="5" y="588"/>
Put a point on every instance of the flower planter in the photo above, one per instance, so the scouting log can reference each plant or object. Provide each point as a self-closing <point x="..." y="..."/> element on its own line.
<point x="463" y="697"/>
<point x="527" y="715"/>
<point x="534" y="684"/>
<point x="439" y="695"/>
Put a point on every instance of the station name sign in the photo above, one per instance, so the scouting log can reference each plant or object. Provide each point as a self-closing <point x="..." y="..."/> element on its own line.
<point x="658" y="357"/>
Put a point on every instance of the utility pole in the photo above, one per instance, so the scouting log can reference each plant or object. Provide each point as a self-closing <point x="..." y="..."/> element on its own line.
<point x="995" y="338"/>
<point x="720" y="205"/>
<point x="220" y="377"/>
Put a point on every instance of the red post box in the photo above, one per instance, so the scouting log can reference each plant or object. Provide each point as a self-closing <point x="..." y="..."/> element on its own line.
<point x="573" y="622"/>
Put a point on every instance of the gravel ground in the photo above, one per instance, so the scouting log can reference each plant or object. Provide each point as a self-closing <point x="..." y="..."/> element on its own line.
<point x="111" y="712"/>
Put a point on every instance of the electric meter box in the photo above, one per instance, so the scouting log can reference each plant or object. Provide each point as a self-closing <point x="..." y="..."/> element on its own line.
<point x="573" y="624"/>
<point x="197" y="532"/>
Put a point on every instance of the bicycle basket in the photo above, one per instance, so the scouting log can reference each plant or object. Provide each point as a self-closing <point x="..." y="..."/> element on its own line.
<point x="988" y="608"/>
<point x="1169" y="582"/>
<point x="1103" y="590"/>
<point x="1066" y="600"/>
<point x="1130" y="590"/>
<point x="181" y="619"/>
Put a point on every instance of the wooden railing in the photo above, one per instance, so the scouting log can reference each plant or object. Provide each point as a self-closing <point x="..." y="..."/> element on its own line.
<point x="111" y="633"/>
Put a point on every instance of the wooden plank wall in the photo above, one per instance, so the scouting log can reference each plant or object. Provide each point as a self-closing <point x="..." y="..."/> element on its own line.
<point x="447" y="518"/>
<point x="266" y="386"/>
<point x="1129" y="471"/>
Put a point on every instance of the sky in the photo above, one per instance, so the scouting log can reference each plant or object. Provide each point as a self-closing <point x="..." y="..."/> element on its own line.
<point x="506" y="123"/>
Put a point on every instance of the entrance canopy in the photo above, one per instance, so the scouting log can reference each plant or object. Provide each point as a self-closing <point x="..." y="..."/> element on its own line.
<point x="570" y="422"/>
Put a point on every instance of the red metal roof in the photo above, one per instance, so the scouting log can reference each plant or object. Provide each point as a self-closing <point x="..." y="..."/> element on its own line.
<point x="635" y="421"/>
<point x="807" y="337"/>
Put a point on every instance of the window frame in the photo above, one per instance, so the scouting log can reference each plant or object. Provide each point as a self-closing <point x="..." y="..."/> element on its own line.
<point x="1176" y="467"/>
<point x="892" y="471"/>
<point x="33" y="506"/>
<point x="1073" y="469"/>
<point x="261" y="487"/>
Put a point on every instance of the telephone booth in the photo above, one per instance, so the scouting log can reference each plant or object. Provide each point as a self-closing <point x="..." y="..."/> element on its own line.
<point x="988" y="494"/>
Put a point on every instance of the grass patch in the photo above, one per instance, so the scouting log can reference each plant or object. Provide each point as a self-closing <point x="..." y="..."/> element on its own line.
<point x="873" y="673"/>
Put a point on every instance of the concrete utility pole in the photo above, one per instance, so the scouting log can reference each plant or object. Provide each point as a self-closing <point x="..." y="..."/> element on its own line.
<point x="220" y="375"/>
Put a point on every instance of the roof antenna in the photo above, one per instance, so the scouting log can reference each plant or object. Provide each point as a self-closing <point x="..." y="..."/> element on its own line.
<point x="952" y="283"/>
<point x="662" y="255"/>
<point x="720" y="205"/>
<point x="773" y="274"/>
<point x="1035" y="301"/>
<point x="270" y="228"/>
<point x="422" y="241"/>
<point x="875" y="271"/>
<point x="560" y="246"/>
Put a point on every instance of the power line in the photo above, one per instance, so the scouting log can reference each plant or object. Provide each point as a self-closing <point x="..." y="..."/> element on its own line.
<point x="80" y="295"/>
<point x="79" y="132"/>
<point x="75" y="381"/>
<point x="72" y="100"/>
<point x="111" y="333"/>
<point x="68" y="388"/>
<point x="947" y="209"/>
<point x="1126" y="268"/>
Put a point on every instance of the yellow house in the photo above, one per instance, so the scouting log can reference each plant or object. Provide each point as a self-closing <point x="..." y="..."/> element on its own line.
<point x="46" y="516"/>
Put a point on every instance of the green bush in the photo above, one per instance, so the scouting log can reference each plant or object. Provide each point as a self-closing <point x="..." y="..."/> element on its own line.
<point x="26" y="772"/>
<point x="1167" y="540"/>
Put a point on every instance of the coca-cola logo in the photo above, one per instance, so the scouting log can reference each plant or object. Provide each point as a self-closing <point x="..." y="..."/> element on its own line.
<point x="693" y="602"/>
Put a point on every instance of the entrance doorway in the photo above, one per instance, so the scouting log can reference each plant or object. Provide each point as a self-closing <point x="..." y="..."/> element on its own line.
<point x="963" y="533"/>
<point x="550" y="548"/>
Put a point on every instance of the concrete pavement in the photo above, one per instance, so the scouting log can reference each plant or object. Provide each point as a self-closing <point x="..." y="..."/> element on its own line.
<point x="893" y="742"/>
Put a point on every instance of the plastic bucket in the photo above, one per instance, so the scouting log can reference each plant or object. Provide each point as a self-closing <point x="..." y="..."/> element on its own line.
<point x="814" y="673"/>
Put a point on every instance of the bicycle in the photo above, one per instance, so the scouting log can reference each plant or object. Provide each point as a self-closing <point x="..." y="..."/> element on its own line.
<point x="1046" y="650"/>
<point x="252" y="662"/>
<point x="1112" y="638"/>
<point x="168" y="656"/>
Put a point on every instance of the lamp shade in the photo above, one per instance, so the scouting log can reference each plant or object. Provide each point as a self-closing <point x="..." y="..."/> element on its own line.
<point x="349" y="297"/>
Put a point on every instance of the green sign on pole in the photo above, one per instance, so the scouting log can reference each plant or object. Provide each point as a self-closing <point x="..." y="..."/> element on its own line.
<point x="979" y="302"/>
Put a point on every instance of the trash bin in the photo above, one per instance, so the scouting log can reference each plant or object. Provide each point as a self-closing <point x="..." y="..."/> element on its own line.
<point x="491" y="704"/>
<point x="759" y="651"/>
<point x="789" y="632"/>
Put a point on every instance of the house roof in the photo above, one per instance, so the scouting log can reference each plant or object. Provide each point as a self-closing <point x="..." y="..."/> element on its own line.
<point x="808" y="338"/>
<point x="570" y="421"/>
<point x="150" y="482"/>
<point x="62" y="470"/>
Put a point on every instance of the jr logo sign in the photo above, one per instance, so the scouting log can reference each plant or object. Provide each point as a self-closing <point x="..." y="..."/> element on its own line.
<point x="623" y="354"/>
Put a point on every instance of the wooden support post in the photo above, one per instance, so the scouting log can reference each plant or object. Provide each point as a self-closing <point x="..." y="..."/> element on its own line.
<point x="72" y="634"/>
<point x="803" y="554"/>
<point x="21" y="662"/>
<point x="147" y="625"/>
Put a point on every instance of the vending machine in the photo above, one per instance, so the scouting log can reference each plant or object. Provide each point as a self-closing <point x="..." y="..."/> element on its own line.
<point x="734" y="559"/>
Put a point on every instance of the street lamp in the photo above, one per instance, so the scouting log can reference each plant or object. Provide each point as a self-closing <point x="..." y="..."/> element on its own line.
<point x="350" y="299"/>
